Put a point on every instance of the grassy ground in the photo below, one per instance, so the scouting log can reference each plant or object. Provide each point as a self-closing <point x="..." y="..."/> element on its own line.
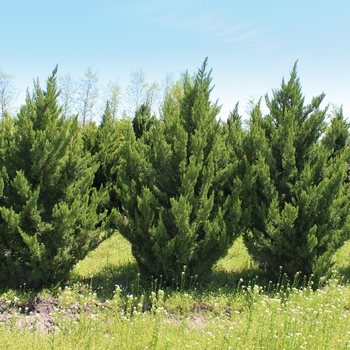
<point x="236" y="310"/>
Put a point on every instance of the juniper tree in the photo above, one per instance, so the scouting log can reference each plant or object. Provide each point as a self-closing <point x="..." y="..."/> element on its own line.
<point x="299" y="200"/>
<point x="171" y="186"/>
<point x="142" y="121"/>
<point x="239" y="174"/>
<point x="49" y="215"/>
<point x="104" y="142"/>
<point x="112" y="98"/>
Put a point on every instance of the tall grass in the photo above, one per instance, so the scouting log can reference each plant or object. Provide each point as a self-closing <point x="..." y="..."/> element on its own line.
<point x="119" y="309"/>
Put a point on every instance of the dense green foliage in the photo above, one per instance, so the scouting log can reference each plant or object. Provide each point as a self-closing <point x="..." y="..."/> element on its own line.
<point x="172" y="182"/>
<point x="104" y="142"/>
<point x="142" y="121"/>
<point x="50" y="216"/>
<point x="180" y="186"/>
<point x="299" y="200"/>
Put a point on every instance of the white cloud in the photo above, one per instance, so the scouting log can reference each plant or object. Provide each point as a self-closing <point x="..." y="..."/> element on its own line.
<point x="218" y="25"/>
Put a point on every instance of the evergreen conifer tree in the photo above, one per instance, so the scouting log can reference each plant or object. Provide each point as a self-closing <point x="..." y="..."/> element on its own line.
<point x="50" y="218"/>
<point x="104" y="143"/>
<point x="142" y="121"/>
<point x="171" y="186"/>
<point x="299" y="200"/>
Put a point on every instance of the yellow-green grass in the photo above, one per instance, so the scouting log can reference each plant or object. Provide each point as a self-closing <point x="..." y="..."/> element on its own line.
<point x="250" y="319"/>
<point x="112" y="263"/>
<point x="231" y="312"/>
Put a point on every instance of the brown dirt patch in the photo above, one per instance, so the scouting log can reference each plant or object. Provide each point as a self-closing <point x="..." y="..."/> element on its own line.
<point x="38" y="314"/>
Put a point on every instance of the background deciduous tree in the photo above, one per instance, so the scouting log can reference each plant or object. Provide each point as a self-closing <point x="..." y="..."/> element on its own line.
<point x="139" y="92"/>
<point x="68" y="95"/>
<point x="8" y="92"/>
<point x="88" y="93"/>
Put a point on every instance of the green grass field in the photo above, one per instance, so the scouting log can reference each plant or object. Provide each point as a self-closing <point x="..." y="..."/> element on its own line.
<point x="236" y="310"/>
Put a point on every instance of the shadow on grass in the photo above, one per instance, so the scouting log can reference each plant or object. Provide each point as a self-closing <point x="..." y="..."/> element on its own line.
<point x="345" y="274"/>
<point x="127" y="277"/>
<point x="342" y="261"/>
<point x="105" y="281"/>
<point x="222" y="279"/>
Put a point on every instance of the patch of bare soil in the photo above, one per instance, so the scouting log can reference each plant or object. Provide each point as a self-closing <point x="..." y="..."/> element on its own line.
<point x="38" y="315"/>
<point x="196" y="322"/>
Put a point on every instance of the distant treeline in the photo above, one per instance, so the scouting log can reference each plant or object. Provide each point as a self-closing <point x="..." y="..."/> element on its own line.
<point x="86" y="97"/>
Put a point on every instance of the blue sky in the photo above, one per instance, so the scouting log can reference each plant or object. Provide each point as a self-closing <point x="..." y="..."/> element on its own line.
<point x="251" y="45"/>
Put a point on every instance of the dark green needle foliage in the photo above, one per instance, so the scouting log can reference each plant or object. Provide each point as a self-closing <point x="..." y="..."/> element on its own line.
<point x="49" y="216"/>
<point x="142" y="121"/>
<point x="240" y="175"/>
<point x="104" y="142"/>
<point x="110" y="136"/>
<point x="171" y="185"/>
<point x="299" y="199"/>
